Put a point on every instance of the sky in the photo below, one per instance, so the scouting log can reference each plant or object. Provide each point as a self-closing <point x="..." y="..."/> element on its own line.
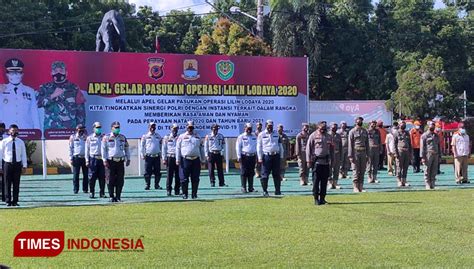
<point x="199" y="6"/>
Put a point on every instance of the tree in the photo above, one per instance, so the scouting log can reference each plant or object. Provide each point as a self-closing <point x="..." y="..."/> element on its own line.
<point x="424" y="92"/>
<point x="230" y="39"/>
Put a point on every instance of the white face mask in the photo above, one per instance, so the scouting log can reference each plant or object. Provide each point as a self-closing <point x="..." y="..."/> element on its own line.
<point x="14" y="78"/>
<point x="462" y="131"/>
<point x="438" y="129"/>
<point x="417" y="127"/>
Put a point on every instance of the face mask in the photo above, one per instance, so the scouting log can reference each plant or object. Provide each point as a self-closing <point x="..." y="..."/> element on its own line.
<point x="174" y="131"/>
<point x="59" y="78"/>
<point x="14" y="78"/>
<point x="432" y="129"/>
<point x="270" y="129"/>
<point x="403" y="127"/>
<point x="190" y="129"/>
<point x="81" y="132"/>
<point x="322" y="130"/>
<point x="152" y="129"/>
<point x="417" y="127"/>
<point x="359" y="123"/>
<point x="116" y="131"/>
<point x="2" y="132"/>
<point x="98" y="131"/>
<point x="462" y="131"/>
<point x="438" y="129"/>
<point x="249" y="130"/>
<point x="14" y="134"/>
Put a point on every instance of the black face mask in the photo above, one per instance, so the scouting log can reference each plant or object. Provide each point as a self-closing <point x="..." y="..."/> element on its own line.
<point x="322" y="130"/>
<point x="81" y="132"/>
<point x="174" y="131"/>
<point x="59" y="78"/>
<point x="249" y="130"/>
<point x="359" y="123"/>
<point x="153" y="129"/>
<point x="403" y="127"/>
<point x="14" y="134"/>
<point x="432" y="129"/>
<point x="190" y="129"/>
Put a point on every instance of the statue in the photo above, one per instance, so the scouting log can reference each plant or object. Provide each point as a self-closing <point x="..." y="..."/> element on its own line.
<point x="111" y="33"/>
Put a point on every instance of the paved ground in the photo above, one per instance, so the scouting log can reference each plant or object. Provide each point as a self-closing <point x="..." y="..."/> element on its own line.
<point x="57" y="190"/>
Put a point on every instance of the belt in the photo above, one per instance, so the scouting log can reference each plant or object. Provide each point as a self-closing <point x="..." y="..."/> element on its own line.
<point x="216" y="152"/>
<point x="79" y="156"/>
<point x="117" y="159"/>
<point x="98" y="157"/>
<point x="191" y="157"/>
<point x="248" y="154"/>
<point x="360" y="148"/>
<point x="171" y="155"/>
<point x="271" y="153"/>
<point x="153" y="155"/>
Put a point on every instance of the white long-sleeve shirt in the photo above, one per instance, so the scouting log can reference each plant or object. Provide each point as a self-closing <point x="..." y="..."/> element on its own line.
<point x="189" y="145"/>
<point x="268" y="143"/>
<point x="6" y="150"/>
<point x="246" y="143"/>
<point x="19" y="107"/>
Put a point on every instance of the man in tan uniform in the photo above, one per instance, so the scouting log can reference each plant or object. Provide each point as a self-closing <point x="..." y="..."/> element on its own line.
<point x="300" y="152"/>
<point x="336" y="163"/>
<point x="345" y="163"/>
<point x="358" y="151"/>
<point x="375" y="149"/>
<point x="403" y="153"/>
<point x="429" y="153"/>
<point x="285" y="142"/>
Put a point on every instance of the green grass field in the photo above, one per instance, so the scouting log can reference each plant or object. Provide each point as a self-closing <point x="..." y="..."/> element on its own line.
<point x="400" y="229"/>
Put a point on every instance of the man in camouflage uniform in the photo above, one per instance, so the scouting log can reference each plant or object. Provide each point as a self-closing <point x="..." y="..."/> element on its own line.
<point x="285" y="142"/>
<point x="345" y="163"/>
<point x="429" y="153"/>
<point x="62" y="101"/>
<point x="336" y="142"/>
<point x="375" y="149"/>
<point x="358" y="151"/>
<point x="300" y="152"/>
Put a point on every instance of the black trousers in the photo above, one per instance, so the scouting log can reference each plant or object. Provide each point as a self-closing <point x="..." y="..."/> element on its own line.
<point x="152" y="167"/>
<point x="2" y="182"/>
<point x="12" y="178"/>
<point x="271" y="164"/>
<point x="247" y="171"/>
<point x="190" y="168"/>
<point x="215" y="161"/>
<point x="77" y="165"/>
<point x="382" y="156"/>
<point x="172" y="172"/>
<point x="115" y="172"/>
<point x="96" y="171"/>
<point x="416" y="159"/>
<point x="320" y="181"/>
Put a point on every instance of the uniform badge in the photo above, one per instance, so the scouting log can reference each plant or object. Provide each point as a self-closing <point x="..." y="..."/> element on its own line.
<point x="190" y="69"/>
<point x="156" y="70"/>
<point x="225" y="69"/>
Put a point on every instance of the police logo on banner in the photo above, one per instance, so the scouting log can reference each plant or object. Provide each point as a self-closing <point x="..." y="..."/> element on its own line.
<point x="155" y="70"/>
<point x="190" y="69"/>
<point x="225" y="69"/>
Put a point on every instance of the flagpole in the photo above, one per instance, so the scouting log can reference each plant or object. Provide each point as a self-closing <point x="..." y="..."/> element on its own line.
<point x="465" y="105"/>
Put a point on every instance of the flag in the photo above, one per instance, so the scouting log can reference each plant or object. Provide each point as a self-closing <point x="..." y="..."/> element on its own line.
<point x="463" y="96"/>
<point x="157" y="45"/>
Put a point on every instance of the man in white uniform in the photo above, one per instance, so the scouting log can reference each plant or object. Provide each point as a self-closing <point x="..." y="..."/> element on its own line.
<point x="18" y="101"/>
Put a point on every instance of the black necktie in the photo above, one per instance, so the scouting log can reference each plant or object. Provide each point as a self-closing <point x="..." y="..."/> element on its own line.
<point x="14" y="152"/>
<point x="15" y="89"/>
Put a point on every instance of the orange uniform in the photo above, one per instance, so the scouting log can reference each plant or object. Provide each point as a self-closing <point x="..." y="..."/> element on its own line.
<point x="383" y="135"/>
<point x="415" y="136"/>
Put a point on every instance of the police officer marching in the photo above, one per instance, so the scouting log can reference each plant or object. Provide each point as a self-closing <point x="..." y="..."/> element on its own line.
<point x="429" y="153"/>
<point x="115" y="153"/>
<point x="358" y="151"/>
<point x="336" y="160"/>
<point x="300" y="152"/>
<point x="150" y="151"/>
<point x="189" y="154"/>
<point x="246" y="148"/>
<point x="269" y="152"/>
<point x="403" y="153"/>
<point x="375" y="150"/>
<point x="319" y="153"/>
<point x="94" y="160"/>
<point x="169" y="159"/>
<point x="77" y="156"/>
<point x="13" y="156"/>
<point x="214" y="146"/>
<point x="345" y="163"/>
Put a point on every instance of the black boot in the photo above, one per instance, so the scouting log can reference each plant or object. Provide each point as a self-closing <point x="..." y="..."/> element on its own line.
<point x="243" y="183"/>
<point x="147" y="183"/>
